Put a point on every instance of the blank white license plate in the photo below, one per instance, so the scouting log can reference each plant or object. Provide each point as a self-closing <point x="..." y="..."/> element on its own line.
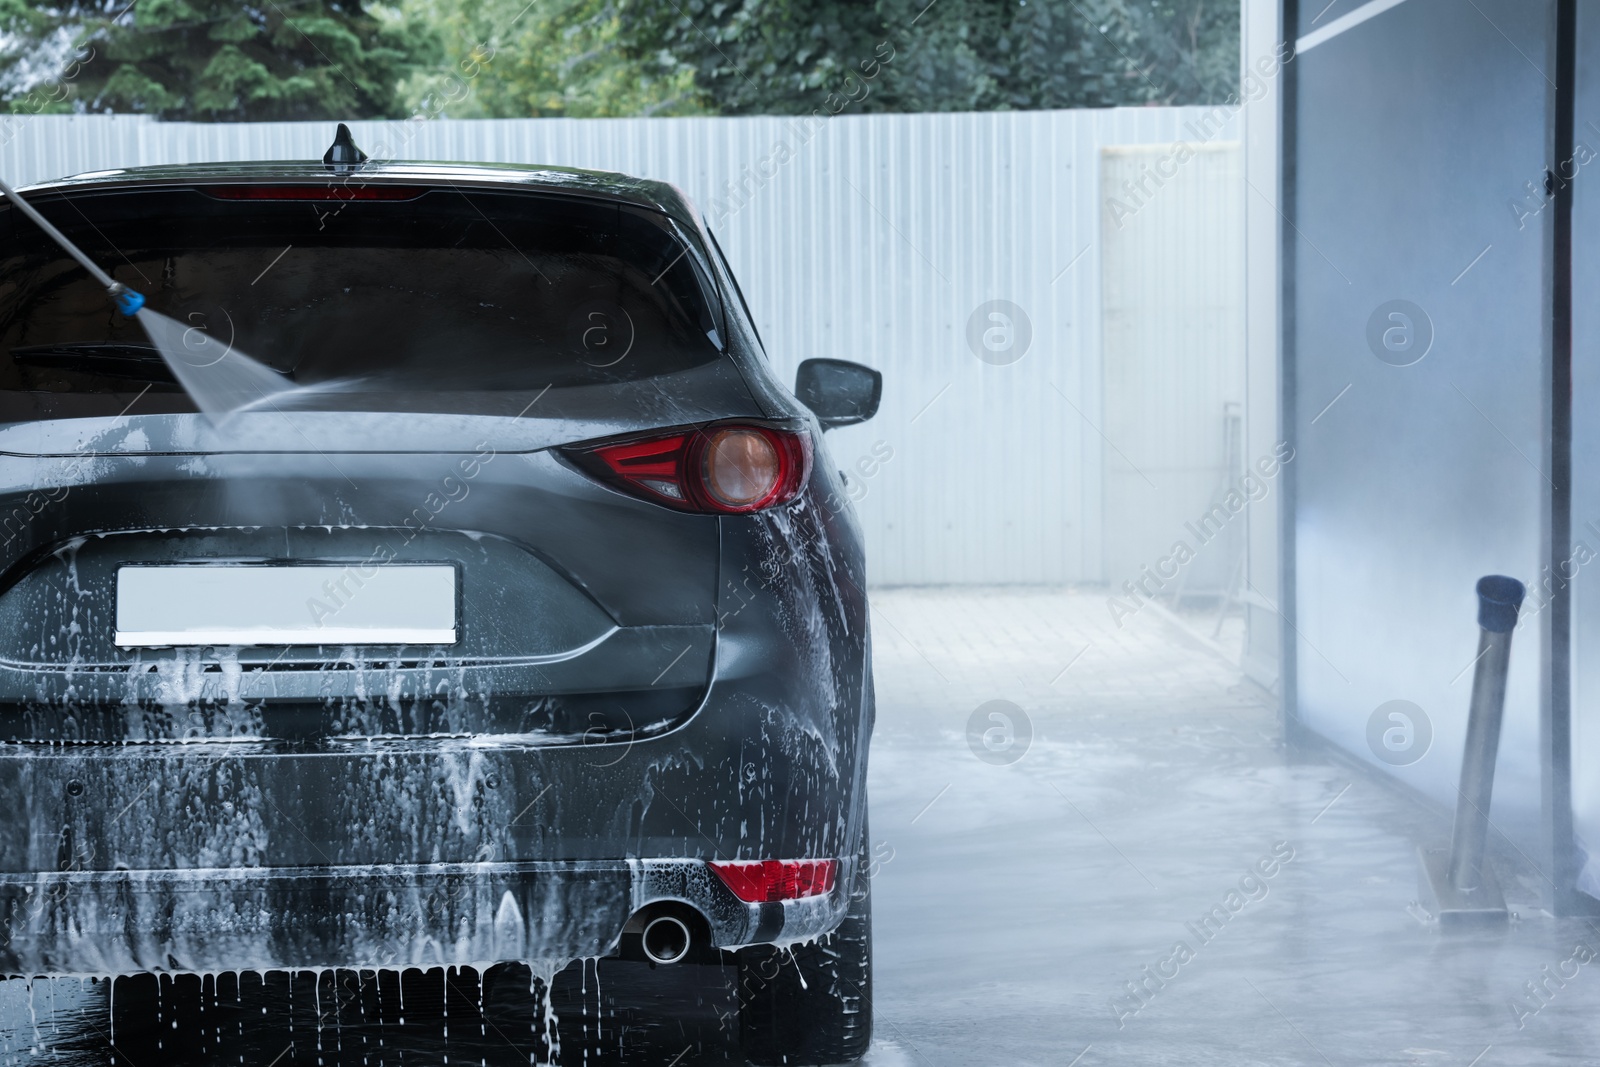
<point x="323" y="604"/>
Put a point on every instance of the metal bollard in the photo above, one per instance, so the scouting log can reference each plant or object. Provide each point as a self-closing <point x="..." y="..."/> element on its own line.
<point x="1499" y="598"/>
<point x="1455" y="885"/>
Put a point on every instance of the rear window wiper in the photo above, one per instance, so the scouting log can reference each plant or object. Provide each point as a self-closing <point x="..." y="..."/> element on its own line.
<point x="105" y="359"/>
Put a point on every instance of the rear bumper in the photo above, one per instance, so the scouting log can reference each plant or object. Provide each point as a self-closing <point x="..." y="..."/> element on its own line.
<point x="654" y="677"/>
<point x="113" y="922"/>
<point x="176" y="849"/>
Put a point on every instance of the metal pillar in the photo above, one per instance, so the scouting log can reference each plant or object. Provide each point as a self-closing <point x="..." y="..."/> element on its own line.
<point x="1457" y="885"/>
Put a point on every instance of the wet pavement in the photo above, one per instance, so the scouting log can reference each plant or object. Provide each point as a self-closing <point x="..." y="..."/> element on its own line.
<point x="1024" y="897"/>
<point x="1126" y="866"/>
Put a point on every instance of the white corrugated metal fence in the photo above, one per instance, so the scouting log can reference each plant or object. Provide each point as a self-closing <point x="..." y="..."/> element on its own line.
<point x="879" y="238"/>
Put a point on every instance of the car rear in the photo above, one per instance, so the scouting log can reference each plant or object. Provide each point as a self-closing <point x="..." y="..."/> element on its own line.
<point x="519" y="617"/>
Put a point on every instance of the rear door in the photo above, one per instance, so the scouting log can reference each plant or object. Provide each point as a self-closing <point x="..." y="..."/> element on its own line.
<point x="441" y="345"/>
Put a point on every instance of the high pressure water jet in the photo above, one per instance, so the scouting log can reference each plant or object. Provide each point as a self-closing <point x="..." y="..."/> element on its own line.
<point x="219" y="378"/>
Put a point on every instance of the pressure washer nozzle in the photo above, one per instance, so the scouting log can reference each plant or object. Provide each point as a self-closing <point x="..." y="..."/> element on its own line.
<point x="128" y="302"/>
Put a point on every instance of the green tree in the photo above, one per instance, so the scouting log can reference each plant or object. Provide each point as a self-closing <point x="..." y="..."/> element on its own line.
<point x="733" y="57"/>
<point x="756" y="56"/>
<point x="1190" y="47"/>
<point x="207" y="60"/>
<point x="511" y="58"/>
<point x="785" y="56"/>
<point x="320" y="59"/>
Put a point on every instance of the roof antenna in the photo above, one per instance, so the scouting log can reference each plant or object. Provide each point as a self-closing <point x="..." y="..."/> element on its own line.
<point x="343" y="155"/>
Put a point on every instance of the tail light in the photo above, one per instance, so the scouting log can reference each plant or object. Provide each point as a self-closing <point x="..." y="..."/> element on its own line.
<point x="754" y="881"/>
<point x="330" y="190"/>
<point x="726" y="468"/>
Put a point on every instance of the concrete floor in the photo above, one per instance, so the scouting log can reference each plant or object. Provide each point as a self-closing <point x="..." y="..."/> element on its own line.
<point x="1022" y="898"/>
<point x="1018" y="894"/>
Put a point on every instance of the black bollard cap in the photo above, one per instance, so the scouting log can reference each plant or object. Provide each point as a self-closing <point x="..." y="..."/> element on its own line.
<point x="1499" y="598"/>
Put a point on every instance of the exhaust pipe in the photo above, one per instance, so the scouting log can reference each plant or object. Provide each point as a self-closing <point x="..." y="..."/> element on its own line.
<point x="666" y="939"/>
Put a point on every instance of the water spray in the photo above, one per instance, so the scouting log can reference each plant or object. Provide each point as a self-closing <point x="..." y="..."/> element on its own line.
<point x="218" y="382"/>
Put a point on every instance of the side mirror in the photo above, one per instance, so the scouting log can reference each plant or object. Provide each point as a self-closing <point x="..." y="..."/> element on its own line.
<point x="840" y="392"/>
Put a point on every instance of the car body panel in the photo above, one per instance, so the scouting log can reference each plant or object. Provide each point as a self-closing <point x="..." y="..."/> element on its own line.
<point x="704" y="680"/>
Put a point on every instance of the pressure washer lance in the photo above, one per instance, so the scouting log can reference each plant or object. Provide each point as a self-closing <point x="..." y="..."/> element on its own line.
<point x="219" y="385"/>
<point x="127" y="300"/>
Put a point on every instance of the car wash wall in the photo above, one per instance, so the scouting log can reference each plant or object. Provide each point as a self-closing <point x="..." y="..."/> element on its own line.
<point x="1438" y="184"/>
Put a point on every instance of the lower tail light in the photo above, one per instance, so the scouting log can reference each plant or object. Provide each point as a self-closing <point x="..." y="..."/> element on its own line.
<point x="756" y="881"/>
<point x="726" y="468"/>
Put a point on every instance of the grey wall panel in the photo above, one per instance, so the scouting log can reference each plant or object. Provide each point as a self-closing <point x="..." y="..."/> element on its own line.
<point x="1585" y="560"/>
<point x="1332" y="16"/>
<point x="1415" y="133"/>
<point x="1314" y="14"/>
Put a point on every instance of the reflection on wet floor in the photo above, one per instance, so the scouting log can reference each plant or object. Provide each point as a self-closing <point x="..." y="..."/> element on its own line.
<point x="614" y="1012"/>
<point x="1031" y="909"/>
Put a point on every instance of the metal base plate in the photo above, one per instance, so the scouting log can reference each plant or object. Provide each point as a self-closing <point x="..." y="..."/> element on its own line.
<point x="1485" y="905"/>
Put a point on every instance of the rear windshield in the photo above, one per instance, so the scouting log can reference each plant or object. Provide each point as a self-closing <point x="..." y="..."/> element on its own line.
<point x="433" y="290"/>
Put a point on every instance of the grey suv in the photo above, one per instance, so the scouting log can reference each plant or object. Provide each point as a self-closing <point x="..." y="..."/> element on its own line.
<point x="529" y="625"/>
